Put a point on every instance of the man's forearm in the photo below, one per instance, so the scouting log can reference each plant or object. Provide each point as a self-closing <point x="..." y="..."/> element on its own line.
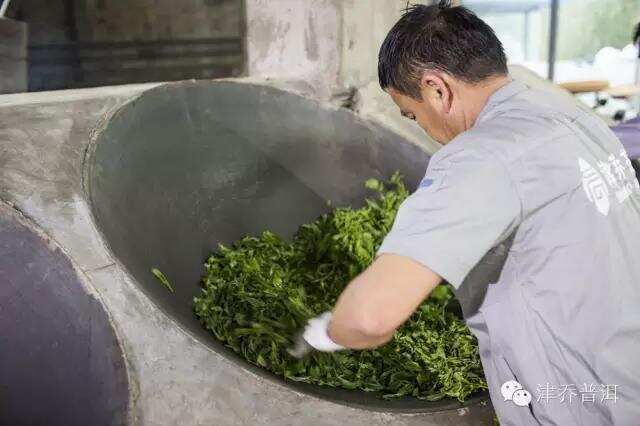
<point x="379" y="300"/>
<point x="355" y="339"/>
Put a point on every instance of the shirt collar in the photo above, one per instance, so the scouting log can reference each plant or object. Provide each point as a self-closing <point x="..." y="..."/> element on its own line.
<point x="502" y="94"/>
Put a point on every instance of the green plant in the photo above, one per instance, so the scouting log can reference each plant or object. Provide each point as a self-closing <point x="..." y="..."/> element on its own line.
<point x="162" y="278"/>
<point x="257" y="294"/>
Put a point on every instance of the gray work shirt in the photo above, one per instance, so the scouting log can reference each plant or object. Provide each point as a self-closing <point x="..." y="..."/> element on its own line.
<point x="533" y="215"/>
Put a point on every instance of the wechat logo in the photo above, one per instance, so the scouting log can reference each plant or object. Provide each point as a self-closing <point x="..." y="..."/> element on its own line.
<point x="513" y="391"/>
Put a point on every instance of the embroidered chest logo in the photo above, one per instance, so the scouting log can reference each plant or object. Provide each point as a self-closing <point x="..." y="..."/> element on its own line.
<point x="613" y="176"/>
<point x="425" y="183"/>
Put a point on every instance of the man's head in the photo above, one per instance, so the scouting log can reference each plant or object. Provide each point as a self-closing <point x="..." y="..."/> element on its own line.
<point x="439" y="64"/>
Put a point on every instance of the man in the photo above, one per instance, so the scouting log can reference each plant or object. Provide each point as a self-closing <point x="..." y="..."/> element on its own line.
<point x="530" y="210"/>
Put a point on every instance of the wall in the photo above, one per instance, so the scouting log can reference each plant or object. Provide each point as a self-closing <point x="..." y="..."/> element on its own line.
<point x="363" y="31"/>
<point x="81" y="43"/>
<point x="49" y="65"/>
<point x="296" y="40"/>
<point x="13" y="56"/>
<point x="157" y="40"/>
<point x="330" y="48"/>
<point x="333" y="44"/>
<point x="364" y="28"/>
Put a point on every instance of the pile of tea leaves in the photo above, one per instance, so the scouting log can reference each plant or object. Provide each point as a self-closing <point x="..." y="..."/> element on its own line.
<point x="259" y="292"/>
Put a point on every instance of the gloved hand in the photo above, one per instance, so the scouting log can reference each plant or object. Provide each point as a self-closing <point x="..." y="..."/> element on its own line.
<point x="316" y="336"/>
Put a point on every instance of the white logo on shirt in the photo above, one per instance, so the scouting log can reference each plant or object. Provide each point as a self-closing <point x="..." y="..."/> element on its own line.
<point x="513" y="391"/>
<point x="594" y="186"/>
<point x="616" y="174"/>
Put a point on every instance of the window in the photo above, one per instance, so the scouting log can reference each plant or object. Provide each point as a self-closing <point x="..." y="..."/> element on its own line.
<point x="592" y="38"/>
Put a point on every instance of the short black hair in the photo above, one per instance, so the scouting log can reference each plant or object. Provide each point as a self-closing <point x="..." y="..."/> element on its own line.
<point x="438" y="37"/>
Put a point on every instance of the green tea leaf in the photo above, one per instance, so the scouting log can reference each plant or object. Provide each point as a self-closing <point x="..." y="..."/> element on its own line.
<point x="260" y="291"/>
<point x="162" y="278"/>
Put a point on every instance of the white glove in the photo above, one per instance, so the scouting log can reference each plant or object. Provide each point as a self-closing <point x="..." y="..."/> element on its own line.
<point x="316" y="333"/>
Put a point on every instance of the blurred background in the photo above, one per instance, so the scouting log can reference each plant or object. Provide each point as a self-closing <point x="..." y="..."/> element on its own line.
<point x="61" y="44"/>
<point x="592" y="38"/>
<point x="571" y="41"/>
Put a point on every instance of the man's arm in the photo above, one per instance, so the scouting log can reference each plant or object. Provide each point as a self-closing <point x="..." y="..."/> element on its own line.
<point x="446" y="226"/>
<point x="379" y="300"/>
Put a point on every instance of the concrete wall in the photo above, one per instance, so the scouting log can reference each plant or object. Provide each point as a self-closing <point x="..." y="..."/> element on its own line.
<point x="157" y="40"/>
<point x="330" y="45"/>
<point x="295" y="40"/>
<point x="13" y="56"/>
<point x="82" y="43"/>
<point x="50" y="64"/>
<point x="331" y="48"/>
<point x="333" y="44"/>
<point x="365" y="25"/>
<point x="136" y="20"/>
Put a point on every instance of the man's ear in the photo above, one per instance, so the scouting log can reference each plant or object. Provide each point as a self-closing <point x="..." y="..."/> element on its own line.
<point x="435" y="87"/>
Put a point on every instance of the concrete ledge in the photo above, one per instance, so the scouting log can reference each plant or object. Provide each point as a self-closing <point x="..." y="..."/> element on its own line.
<point x="70" y="95"/>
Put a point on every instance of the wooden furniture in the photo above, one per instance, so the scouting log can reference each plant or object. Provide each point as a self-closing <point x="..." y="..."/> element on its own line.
<point x="589" y="86"/>
<point x="624" y="91"/>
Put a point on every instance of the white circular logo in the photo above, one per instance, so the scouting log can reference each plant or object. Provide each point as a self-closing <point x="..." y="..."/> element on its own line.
<point x="508" y="388"/>
<point x="521" y="398"/>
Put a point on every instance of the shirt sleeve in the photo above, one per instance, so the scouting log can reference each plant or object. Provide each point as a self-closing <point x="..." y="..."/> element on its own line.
<point x="465" y="205"/>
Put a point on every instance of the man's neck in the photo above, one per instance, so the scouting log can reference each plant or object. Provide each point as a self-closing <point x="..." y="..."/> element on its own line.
<point x="478" y="95"/>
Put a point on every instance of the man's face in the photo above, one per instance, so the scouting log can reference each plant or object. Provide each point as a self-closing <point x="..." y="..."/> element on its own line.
<point x="427" y="113"/>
